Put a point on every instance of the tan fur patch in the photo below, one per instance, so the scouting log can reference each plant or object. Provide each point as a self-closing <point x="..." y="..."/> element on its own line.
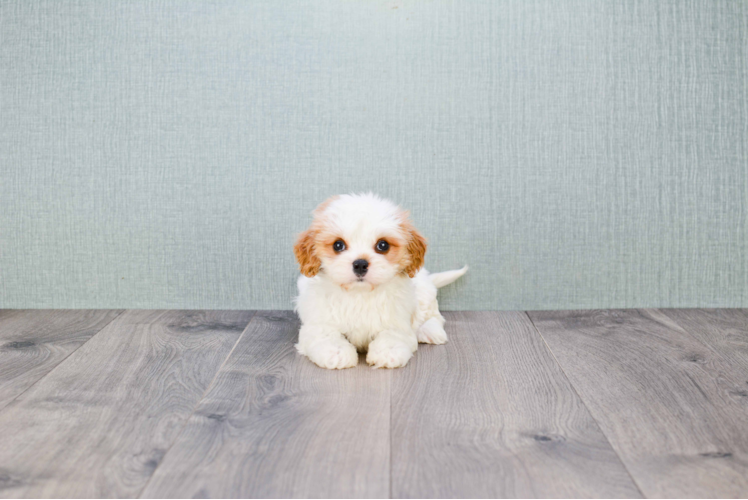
<point x="324" y="241"/>
<point x="413" y="257"/>
<point x="395" y="254"/>
<point x="314" y="242"/>
<point x="305" y="253"/>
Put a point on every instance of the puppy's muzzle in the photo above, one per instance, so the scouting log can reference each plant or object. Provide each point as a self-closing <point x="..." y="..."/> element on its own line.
<point x="360" y="266"/>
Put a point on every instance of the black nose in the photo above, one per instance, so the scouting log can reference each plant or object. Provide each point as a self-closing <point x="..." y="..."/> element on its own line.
<point x="360" y="267"/>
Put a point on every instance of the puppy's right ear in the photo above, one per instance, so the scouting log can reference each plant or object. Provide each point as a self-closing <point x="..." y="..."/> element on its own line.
<point x="309" y="263"/>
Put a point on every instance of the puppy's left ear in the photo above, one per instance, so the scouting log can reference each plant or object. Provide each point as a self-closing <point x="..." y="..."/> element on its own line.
<point x="417" y="250"/>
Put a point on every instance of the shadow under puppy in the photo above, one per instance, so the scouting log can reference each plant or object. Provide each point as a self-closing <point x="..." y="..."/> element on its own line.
<point x="363" y="288"/>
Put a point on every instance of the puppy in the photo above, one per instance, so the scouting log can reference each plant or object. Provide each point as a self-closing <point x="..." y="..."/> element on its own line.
<point x="362" y="288"/>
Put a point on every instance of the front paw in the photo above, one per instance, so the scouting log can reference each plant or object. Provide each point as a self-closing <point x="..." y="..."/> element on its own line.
<point x="388" y="354"/>
<point x="333" y="355"/>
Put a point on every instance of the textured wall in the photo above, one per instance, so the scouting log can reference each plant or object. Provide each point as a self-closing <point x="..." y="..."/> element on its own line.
<point x="576" y="154"/>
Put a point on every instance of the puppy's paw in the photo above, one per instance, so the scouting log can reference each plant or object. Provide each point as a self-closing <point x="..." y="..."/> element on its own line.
<point x="388" y="355"/>
<point x="334" y="355"/>
<point x="432" y="332"/>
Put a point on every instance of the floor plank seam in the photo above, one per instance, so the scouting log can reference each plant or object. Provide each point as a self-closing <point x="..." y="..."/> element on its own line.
<point x="390" y="431"/>
<point x="592" y="416"/>
<point x="706" y="345"/>
<point x="10" y="403"/>
<point x="197" y="404"/>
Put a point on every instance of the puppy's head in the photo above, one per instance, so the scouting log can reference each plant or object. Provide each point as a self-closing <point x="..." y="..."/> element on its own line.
<point x="360" y="241"/>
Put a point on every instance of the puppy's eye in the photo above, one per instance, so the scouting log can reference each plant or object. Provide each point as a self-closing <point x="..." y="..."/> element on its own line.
<point x="382" y="246"/>
<point x="338" y="246"/>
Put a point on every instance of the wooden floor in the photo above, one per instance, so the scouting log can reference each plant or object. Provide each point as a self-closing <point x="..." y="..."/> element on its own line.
<point x="615" y="403"/>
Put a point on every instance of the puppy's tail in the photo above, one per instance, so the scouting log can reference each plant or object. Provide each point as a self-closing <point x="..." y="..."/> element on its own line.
<point x="443" y="279"/>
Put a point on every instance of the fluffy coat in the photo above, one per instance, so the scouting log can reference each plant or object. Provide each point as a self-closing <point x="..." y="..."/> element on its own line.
<point x="387" y="310"/>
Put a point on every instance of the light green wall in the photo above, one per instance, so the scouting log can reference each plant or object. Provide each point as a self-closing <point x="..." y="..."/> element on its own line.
<point x="577" y="154"/>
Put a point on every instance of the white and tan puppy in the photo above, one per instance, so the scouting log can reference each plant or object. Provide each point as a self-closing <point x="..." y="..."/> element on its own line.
<point x="362" y="287"/>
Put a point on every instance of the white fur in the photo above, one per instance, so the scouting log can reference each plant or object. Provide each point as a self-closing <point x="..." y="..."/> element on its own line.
<point x="386" y="313"/>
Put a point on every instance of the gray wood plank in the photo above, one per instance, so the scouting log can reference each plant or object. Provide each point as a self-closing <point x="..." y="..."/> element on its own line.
<point x="99" y="424"/>
<point x="491" y="414"/>
<point x="670" y="405"/>
<point x="33" y="342"/>
<point x="275" y="425"/>
<point x="724" y="330"/>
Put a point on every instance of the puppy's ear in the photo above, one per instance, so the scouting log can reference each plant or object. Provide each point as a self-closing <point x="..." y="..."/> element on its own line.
<point x="309" y="263"/>
<point x="417" y="250"/>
